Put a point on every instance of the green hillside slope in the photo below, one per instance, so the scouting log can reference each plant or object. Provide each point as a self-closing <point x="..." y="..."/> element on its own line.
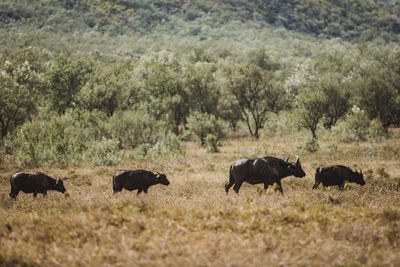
<point x="351" y="20"/>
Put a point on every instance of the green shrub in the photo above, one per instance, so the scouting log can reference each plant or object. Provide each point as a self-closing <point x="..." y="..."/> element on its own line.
<point x="202" y="124"/>
<point x="358" y="127"/>
<point x="280" y="124"/>
<point x="311" y="145"/>
<point x="376" y="132"/>
<point x="105" y="152"/>
<point x="169" y="144"/>
<point x="40" y="141"/>
<point x="62" y="139"/>
<point x="211" y="143"/>
<point x="132" y="128"/>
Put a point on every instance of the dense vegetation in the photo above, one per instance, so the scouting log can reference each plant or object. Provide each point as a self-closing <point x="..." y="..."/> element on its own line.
<point x="69" y="109"/>
<point x="359" y="20"/>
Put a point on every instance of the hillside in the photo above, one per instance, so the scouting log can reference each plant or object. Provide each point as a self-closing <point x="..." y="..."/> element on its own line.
<point x="39" y="23"/>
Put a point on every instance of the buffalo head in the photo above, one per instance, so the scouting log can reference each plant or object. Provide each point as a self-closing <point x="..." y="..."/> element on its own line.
<point x="358" y="177"/>
<point x="162" y="178"/>
<point x="60" y="186"/>
<point x="295" y="168"/>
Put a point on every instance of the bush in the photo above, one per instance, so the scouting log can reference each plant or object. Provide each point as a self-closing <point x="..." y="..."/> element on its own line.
<point x="211" y="143"/>
<point x="311" y="145"/>
<point x="282" y="123"/>
<point x="376" y="132"/>
<point x="61" y="140"/>
<point x="202" y="124"/>
<point x="40" y="141"/>
<point x="169" y="144"/>
<point x="357" y="127"/>
<point x="132" y="128"/>
<point x="105" y="152"/>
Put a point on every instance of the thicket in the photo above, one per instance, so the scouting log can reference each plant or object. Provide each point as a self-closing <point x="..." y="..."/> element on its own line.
<point x="354" y="20"/>
<point x="58" y="110"/>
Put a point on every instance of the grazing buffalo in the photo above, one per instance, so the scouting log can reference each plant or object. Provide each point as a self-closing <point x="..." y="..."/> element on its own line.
<point x="137" y="179"/>
<point x="267" y="171"/>
<point x="34" y="182"/>
<point x="337" y="175"/>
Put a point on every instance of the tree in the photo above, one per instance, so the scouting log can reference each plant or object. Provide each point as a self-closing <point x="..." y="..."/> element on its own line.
<point x="202" y="124"/>
<point x="257" y="94"/>
<point x="260" y="58"/>
<point x="105" y="89"/>
<point x="202" y="88"/>
<point x="310" y="109"/>
<point x="167" y="99"/>
<point x="64" y="80"/>
<point x="20" y="83"/>
<point x="336" y="101"/>
<point x="377" y="97"/>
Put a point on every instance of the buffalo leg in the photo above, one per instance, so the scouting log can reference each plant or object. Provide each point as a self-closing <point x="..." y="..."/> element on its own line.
<point x="139" y="191"/>
<point x="237" y="186"/>
<point x="14" y="194"/>
<point x="117" y="190"/>
<point x="280" y="186"/>
<point x="315" y="186"/>
<point x="145" y="190"/>
<point x="228" y="186"/>
<point x="341" y="186"/>
<point x="35" y="194"/>
<point x="265" y="187"/>
<point x="231" y="182"/>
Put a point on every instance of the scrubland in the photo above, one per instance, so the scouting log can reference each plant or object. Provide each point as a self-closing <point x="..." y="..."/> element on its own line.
<point x="193" y="222"/>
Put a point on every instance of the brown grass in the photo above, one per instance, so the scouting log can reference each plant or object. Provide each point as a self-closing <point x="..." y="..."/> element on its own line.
<point x="193" y="222"/>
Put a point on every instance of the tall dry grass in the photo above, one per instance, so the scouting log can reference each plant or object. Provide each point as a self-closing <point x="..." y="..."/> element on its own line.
<point x="193" y="222"/>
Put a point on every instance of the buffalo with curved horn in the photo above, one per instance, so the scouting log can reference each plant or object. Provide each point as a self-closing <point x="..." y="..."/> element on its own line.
<point x="267" y="171"/>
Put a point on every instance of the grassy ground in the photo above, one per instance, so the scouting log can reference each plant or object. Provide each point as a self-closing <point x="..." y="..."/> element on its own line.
<point x="193" y="222"/>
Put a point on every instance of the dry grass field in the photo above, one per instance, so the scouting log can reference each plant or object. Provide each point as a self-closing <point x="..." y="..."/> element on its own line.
<point x="193" y="222"/>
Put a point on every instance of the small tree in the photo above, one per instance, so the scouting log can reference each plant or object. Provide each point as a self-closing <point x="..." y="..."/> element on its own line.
<point x="202" y="124"/>
<point x="336" y="99"/>
<point x="104" y="90"/>
<point x="167" y="98"/>
<point x="257" y="94"/>
<point x="202" y="88"/>
<point x="20" y="83"/>
<point x="310" y="110"/>
<point x="64" y="80"/>
<point x="377" y="97"/>
<point x="260" y="58"/>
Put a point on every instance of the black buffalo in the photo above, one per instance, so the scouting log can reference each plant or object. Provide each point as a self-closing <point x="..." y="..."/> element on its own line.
<point x="267" y="171"/>
<point x="137" y="179"/>
<point x="34" y="182"/>
<point x="337" y="175"/>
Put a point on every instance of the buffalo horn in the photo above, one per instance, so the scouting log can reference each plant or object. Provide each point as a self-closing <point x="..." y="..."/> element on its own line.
<point x="297" y="159"/>
<point x="287" y="159"/>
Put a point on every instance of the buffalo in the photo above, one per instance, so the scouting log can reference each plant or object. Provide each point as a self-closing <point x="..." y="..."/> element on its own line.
<point x="267" y="171"/>
<point x="34" y="182"/>
<point x="337" y="175"/>
<point x="137" y="179"/>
